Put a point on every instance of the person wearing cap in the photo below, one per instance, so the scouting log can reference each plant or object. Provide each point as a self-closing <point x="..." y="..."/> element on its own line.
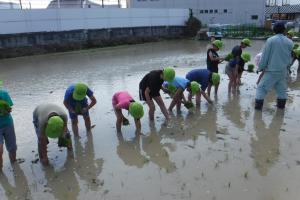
<point x="77" y="104"/>
<point x="176" y="88"/>
<point x="237" y="53"/>
<point x="232" y="68"/>
<point x="50" y="121"/>
<point x="276" y="56"/>
<point x="290" y="34"/>
<point x="206" y="79"/>
<point x="213" y="60"/>
<point x="150" y="86"/>
<point x="123" y="100"/>
<point x="7" y="131"/>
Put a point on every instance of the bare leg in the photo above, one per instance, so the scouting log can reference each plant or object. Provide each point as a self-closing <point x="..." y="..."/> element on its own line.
<point x="87" y="121"/>
<point x="162" y="106"/>
<point x="12" y="156"/>
<point x="119" y="121"/>
<point x="216" y="89"/>
<point x="151" y="109"/>
<point x="75" y="127"/>
<point x="1" y="156"/>
<point x="208" y="89"/>
<point x="138" y="125"/>
<point x="198" y="98"/>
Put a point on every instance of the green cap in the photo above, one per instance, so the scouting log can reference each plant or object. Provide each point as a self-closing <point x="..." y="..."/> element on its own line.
<point x="246" y="57"/>
<point x="297" y="52"/>
<point x="1" y="83"/>
<point x="251" y="67"/>
<point x="4" y="108"/>
<point x="172" y="88"/>
<point x="246" y="42"/>
<point x="291" y="33"/>
<point x="195" y="87"/>
<point x="136" y="110"/>
<point x="55" y="127"/>
<point x="218" y="43"/>
<point x="294" y="47"/>
<point x="79" y="92"/>
<point x="169" y="74"/>
<point x="215" y="78"/>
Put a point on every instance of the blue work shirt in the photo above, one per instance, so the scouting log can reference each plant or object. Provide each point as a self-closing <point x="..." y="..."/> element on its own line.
<point x="6" y="119"/>
<point x="276" y="55"/>
<point x="178" y="82"/>
<point x="201" y="76"/>
<point x="72" y="102"/>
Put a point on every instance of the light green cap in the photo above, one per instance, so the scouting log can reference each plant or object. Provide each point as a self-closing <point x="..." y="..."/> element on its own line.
<point x="168" y="74"/>
<point x="297" y="52"/>
<point x="136" y="110"/>
<point x="291" y="33"/>
<point x="218" y="44"/>
<point x="55" y="127"/>
<point x="195" y="87"/>
<point x="215" y="78"/>
<point x="246" y="57"/>
<point x="172" y="88"/>
<point x="79" y="92"/>
<point x="246" y="42"/>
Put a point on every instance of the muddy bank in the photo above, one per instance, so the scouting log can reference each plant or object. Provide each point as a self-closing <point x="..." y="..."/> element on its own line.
<point x="221" y="152"/>
<point x="16" y="45"/>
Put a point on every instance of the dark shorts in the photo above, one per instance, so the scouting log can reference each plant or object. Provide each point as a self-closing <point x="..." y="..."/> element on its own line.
<point x="8" y="135"/>
<point x="143" y="97"/>
<point x="75" y="115"/>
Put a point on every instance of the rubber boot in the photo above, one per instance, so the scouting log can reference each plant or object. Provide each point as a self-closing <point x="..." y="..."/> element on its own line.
<point x="281" y="103"/>
<point x="259" y="104"/>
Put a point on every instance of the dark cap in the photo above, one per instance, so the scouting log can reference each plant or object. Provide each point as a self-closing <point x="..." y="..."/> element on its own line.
<point x="279" y="27"/>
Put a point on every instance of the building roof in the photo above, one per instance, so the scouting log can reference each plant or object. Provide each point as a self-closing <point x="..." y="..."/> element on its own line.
<point x="283" y="9"/>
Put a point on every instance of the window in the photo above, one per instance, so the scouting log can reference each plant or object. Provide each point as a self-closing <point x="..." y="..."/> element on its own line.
<point x="215" y="11"/>
<point x="211" y="11"/>
<point x="201" y="11"/>
<point x="225" y="10"/>
<point x="206" y="11"/>
<point x="254" y="17"/>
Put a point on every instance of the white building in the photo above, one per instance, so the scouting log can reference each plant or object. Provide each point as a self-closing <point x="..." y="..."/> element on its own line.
<point x="213" y="11"/>
<point x="9" y="5"/>
<point x="80" y="4"/>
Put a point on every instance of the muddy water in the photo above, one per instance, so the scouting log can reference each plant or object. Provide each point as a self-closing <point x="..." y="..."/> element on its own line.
<point x="225" y="151"/>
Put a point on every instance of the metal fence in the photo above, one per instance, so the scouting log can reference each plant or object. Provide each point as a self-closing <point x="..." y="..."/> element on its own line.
<point x="48" y="4"/>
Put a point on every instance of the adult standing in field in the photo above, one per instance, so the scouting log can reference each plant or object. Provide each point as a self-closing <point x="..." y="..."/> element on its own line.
<point x="237" y="53"/>
<point x="77" y="104"/>
<point x="50" y="121"/>
<point x="7" y="131"/>
<point x="213" y="60"/>
<point x="150" y="86"/>
<point x="276" y="56"/>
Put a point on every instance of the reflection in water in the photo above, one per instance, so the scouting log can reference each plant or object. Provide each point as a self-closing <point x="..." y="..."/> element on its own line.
<point x="87" y="167"/>
<point x="130" y="151"/>
<point x="232" y="110"/>
<point x="265" y="147"/>
<point x="156" y="151"/>
<point x="63" y="183"/>
<point x="21" y="188"/>
<point x="209" y="123"/>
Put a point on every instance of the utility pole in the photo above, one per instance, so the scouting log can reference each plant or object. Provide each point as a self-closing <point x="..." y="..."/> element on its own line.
<point x="21" y="4"/>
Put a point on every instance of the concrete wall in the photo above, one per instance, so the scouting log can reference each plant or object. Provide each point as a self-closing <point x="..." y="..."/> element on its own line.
<point x="238" y="11"/>
<point x="27" y="21"/>
<point x="30" y="32"/>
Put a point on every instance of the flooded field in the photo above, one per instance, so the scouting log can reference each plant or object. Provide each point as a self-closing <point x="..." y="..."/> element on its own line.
<point x="223" y="151"/>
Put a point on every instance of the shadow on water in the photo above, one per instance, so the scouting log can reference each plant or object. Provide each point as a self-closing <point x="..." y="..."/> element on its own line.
<point x="233" y="111"/>
<point x="86" y="166"/>
<point x="63" y="183"/>
<point x="130" y="151"/>
<point x="156" y="151"/>
<point x="18" y="191"/>
<point x="265" y="147"/>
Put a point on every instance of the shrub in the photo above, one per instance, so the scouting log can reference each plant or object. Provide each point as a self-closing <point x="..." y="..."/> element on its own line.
<point x="193" y="25"/>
